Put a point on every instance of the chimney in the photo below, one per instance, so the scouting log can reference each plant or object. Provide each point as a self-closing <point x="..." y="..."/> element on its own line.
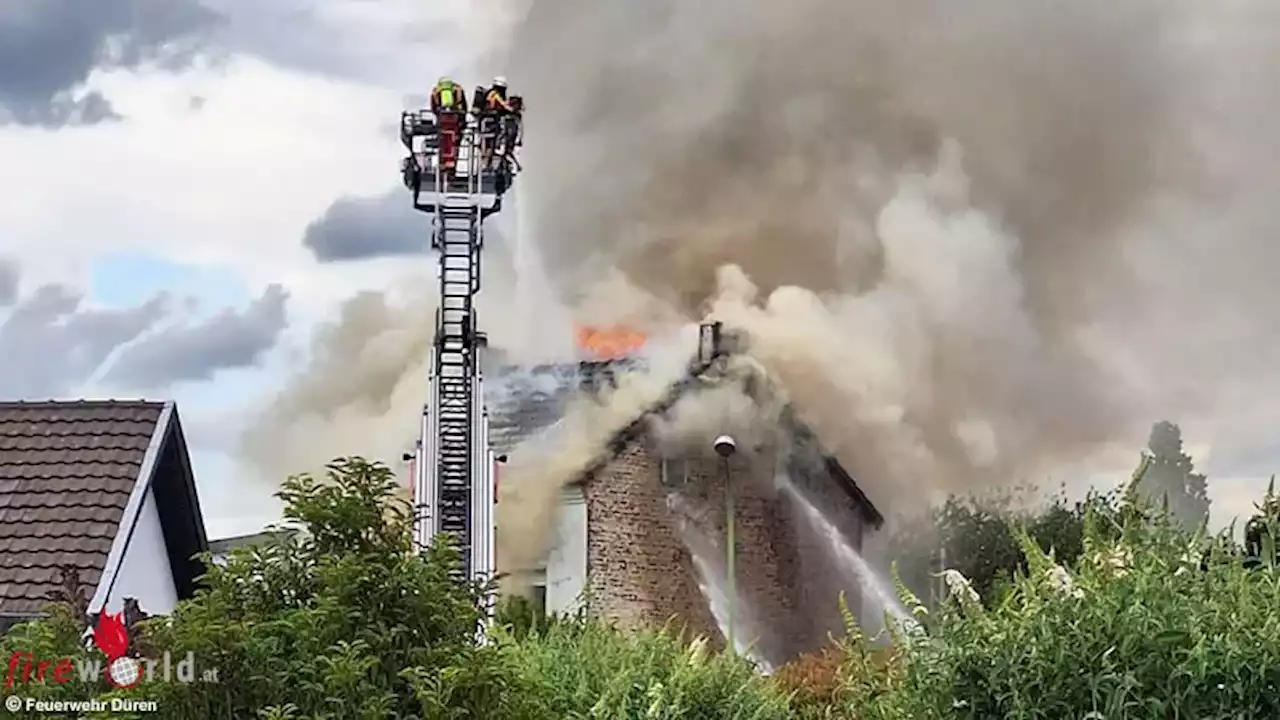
<point x="709" y="342"/>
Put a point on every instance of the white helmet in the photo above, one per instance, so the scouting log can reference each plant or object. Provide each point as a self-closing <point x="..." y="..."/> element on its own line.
<point x="500" y="81"/>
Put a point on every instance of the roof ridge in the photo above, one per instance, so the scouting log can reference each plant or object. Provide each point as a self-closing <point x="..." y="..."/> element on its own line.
<point x="81" y="402"/>
<point x="509" y="368"/>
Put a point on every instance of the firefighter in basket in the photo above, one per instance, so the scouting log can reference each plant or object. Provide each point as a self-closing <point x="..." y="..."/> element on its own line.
<point x="500" y="113"/>
<point x="514" y="131"/>
<point x="449" y="105"/>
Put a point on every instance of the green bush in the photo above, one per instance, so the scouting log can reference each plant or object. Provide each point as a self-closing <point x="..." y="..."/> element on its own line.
<point x="343" y="621"/>
<point x="1137" y="628"/>
<point x="584" y="669"/>
<point x="521" y="616"/>
<point x="1128" y="618"/>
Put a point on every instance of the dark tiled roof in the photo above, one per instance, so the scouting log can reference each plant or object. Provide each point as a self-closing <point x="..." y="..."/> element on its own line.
<point x="525" y="400"/>
<point x="227" y="544"/>
<point x="66" y="472"/>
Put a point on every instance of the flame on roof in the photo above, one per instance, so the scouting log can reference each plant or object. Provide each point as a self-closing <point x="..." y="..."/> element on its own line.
<point x="607" y="343"/>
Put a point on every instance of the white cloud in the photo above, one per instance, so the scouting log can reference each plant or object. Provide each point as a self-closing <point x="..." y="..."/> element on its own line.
<point x="234" y="183"/>
<point x="227" y="165"/>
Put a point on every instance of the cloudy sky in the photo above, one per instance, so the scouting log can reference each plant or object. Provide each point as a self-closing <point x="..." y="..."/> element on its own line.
<point x="190" y="185"/>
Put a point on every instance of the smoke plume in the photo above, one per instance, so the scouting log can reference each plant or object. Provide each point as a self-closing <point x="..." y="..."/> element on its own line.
<point x="361" y="393"/>
<point x="970" y="239"/>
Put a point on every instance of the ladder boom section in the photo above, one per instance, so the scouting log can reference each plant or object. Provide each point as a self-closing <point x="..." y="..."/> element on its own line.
<point x="454" y="489"/>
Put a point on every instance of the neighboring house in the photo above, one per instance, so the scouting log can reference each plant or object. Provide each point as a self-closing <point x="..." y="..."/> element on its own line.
<point x="103" y="488"/>
<point x="644" y="533"/>
<point x="221" y="548"/>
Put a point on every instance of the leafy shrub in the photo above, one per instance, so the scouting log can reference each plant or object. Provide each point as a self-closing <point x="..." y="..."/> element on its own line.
<point x="52" y="639"/>
<point x="587" y="669"/>
<point x="1136" y="629"/>
<point x="342" y="620"/>
<point x="1129" y="617"/>
<point x="339" y="621"/>
<point x="522" y="616"/>
<point x="812" y="680"/>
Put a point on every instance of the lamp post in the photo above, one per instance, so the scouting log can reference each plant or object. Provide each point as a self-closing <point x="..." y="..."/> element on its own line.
<point x="725" y="447"/>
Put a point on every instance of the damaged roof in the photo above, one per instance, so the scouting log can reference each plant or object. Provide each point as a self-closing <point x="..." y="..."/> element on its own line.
<point x="524" y="400"/>
<point x="527" y="400"/>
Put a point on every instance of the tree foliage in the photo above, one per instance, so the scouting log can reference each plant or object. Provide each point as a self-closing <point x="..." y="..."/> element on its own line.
<point x="343" y="621"/>
<point x="1173" y="476"/>
<point x="1263" y="528"/>
<point x="975" y="535"/>
<point x="340" y="620"/>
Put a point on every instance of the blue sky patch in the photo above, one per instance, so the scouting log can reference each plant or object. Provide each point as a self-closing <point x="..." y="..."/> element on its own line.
<point x="129" y="278"/>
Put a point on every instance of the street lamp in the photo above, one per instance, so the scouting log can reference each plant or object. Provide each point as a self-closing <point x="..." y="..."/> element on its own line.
<point x="725" y="447"/>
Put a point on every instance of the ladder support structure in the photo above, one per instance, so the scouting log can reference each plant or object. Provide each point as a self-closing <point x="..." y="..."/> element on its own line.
<point x="454" y="490"/>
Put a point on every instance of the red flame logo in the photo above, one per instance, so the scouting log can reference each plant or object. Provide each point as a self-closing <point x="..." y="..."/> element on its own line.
<point x="110" y="635"/>
<point x="112" y="639"/>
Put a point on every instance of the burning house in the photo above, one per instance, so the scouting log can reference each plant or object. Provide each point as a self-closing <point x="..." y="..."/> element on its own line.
<point x="640" y="533"/>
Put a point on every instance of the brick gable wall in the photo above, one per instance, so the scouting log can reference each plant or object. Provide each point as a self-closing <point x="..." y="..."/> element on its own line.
<point x="640" y="570"/>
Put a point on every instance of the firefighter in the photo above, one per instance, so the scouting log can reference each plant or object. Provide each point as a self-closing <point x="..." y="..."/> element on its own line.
<point x="487" y="124"/>
<point x="449" y="104"/>
<point x="515" y="134"/>
<point x="448" y="96"/>
<point x="496" y="100"/>
<point x="506" y="117"/>
<point x="483" y="117"/>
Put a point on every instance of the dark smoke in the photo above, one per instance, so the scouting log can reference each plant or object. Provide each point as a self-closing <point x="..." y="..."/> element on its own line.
<point x="971" y="238"/>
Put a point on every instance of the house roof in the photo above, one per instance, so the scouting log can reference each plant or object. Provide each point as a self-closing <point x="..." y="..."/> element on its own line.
<point x="73" y="478"/>
<point x="226" y="544"/>
<point x="531" y="399"/>
<point x="524" y="400"/>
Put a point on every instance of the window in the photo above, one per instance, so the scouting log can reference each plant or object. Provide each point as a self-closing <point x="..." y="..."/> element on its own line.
<point x="7" y="622"/>
<point x="675" y="472"/>
<point x="540" y="600"/>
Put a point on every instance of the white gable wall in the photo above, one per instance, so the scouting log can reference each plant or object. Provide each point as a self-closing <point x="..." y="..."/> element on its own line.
<point x="145" y="572"/>
<point x="567" y="560"/>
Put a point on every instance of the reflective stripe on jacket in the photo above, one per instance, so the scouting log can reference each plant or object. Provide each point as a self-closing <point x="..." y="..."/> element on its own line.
<point x="497" y="102"/>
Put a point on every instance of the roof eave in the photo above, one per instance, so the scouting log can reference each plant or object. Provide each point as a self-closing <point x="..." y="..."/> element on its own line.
<point x="868" y="509"/>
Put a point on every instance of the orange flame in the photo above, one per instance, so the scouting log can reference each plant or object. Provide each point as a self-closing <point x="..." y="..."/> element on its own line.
<point x="608" y="343"/>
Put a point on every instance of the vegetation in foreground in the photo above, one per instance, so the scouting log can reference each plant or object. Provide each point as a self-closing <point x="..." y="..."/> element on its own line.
<point x="1145" y="620"/>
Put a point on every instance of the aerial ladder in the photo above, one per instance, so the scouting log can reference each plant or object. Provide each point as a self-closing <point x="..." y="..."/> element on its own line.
<point x="453" y="484"/>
